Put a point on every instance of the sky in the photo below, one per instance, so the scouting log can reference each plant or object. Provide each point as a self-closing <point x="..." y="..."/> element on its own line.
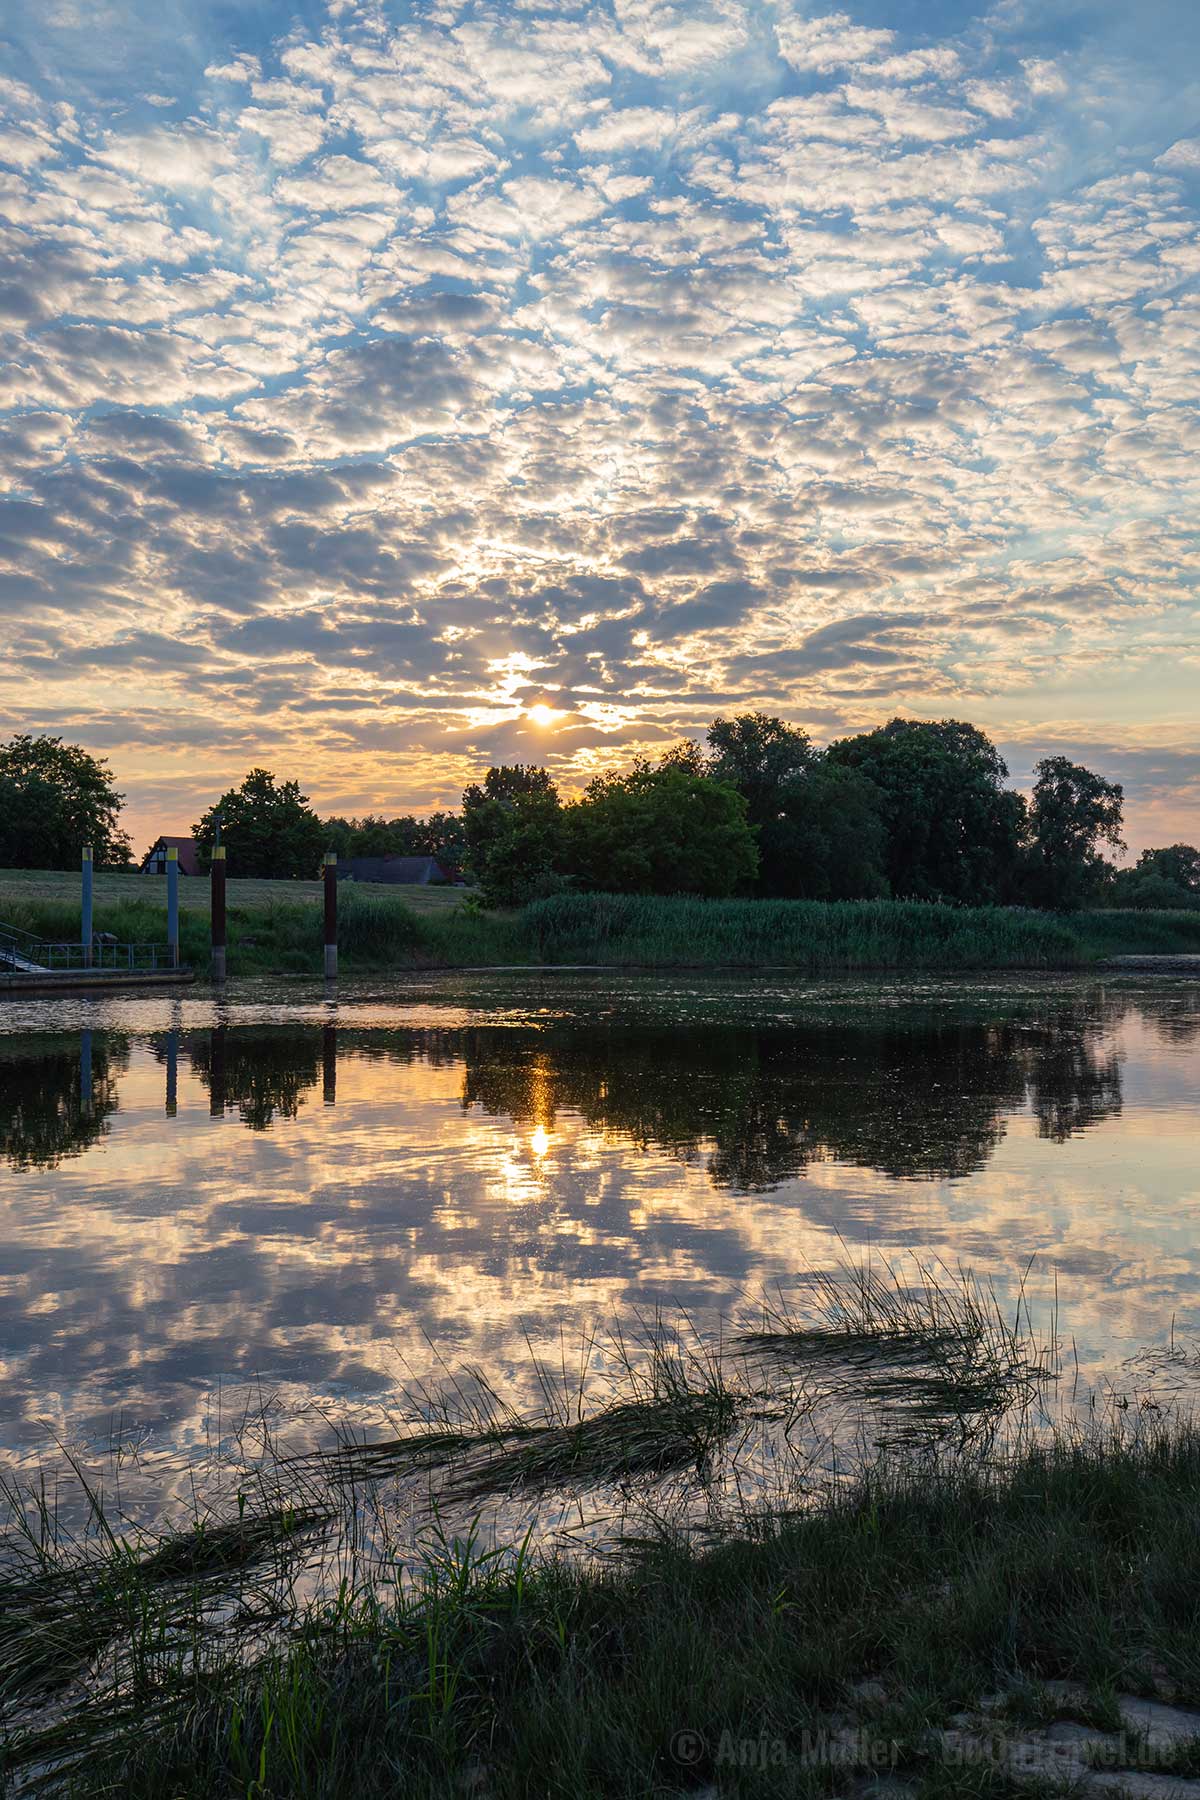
<point x="394" y="389"/>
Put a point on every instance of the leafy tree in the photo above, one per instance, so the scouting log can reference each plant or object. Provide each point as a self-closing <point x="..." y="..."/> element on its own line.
<point x="441" y="834"/>
<point x="830" y="841"/>
<point x="514" y="832"/>
<point x="758" y="755"/>
<point x="954" y="832"/>
<point x="1168" y="878"/>
<point x="660" y="830"/>
<point x="1074" y="811"/>
<point x="269" y="829"/>
<point x="54" y="799"/>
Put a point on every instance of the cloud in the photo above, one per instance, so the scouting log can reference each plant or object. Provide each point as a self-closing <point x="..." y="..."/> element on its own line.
<point x="409" y="368"/>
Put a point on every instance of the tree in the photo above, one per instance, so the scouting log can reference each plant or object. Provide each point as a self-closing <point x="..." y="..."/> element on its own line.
<point x="830" y="842"/>
<point x="1166" y="878"/>
<point x="54" y="799"/>
<point x="1074" y="811"/>
<point x="660" y="830"/>
<point x="954" y="832"/>
<point x="441" y="834"/>
<point x="513" y="831"/>
<point x="758" y="755"/>
<point x="269" y="829"/>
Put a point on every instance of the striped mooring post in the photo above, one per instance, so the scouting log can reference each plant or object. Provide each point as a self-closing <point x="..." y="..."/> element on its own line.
<point x="218" y="912"/>
<point x="86" y="905"/>
<point x="331" y="915"/>
<point x="173" y="906"/>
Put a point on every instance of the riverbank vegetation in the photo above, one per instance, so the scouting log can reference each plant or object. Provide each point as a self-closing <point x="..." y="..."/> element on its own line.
<point x="440" y="928"/>
<point x="922" y="1616"/>
<point x="914" y="810"/>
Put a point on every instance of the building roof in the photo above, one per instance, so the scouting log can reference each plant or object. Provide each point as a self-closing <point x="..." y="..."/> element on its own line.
<point x="189" y="855"/>
<point x="410" y="871"/>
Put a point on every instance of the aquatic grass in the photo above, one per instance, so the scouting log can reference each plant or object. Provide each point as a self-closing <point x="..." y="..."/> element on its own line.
<point x="924" y="1347"/>
<point x="1129" y="932"/>
<point x="815" y="936"/>
<point x="779" y="1658"/>
<point x="669" y="1403"/>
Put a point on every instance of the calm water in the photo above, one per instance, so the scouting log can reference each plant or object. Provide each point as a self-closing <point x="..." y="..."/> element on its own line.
<point x="332" y="1200"/>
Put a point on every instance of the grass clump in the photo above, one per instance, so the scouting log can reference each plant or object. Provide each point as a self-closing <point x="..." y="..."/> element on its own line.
<point x="815" y="936"/>
<point x="771" y="1661"/>
<point x="1135" y="933"/>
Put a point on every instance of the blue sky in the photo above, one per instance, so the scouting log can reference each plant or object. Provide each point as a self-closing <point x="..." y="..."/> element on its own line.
<point x="378" y="373"/>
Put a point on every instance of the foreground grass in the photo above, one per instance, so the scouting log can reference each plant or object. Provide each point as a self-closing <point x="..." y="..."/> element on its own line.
<point x="881" y="1614"/>
<point x="276" y="927"/>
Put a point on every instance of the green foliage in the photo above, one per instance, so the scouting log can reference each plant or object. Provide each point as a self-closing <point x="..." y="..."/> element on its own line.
<point x="54" y="799"/>
<point x="513" y="830"/>
<point x="1161" y="879"/>
<point x="442" y="834"/>
<point x="759" y="756"/>
<point x="819" y="827"/>
<point x="1074" y="811"/>
<point x="660" y="830"/>
<point x="879" y="934"/>
<point x="829" y="841"/>
<point x="954" y="832"/>
<point x="268" y="829"/>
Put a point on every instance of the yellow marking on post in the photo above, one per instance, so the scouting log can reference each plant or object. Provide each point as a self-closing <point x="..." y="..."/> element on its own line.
<point x="172" y="854"/>
<point x="219" y="853"/>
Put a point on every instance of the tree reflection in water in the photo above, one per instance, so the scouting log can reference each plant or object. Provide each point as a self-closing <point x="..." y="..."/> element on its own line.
<point x="57" y="1094"/>
<point x="912" y="1093"/>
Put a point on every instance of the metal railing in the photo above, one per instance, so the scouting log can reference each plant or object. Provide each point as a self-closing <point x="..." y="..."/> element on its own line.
<point x="20" y="950"/>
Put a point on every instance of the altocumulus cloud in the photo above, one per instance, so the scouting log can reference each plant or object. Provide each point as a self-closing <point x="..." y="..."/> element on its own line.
<point x="366" y="381"/>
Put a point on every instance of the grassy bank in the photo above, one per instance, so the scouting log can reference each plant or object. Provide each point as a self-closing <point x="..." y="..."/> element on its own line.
<point x="284" y="936"/>
<point x="775" y="1650"/>
<point x="788" y="1659"/>
<point x="276" y="927"/>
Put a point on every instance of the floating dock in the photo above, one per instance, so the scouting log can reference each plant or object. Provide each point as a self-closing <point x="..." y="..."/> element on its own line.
<point x="90" y="981"/>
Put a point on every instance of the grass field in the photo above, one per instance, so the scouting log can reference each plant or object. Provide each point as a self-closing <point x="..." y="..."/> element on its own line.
<point x="30" y="887"/>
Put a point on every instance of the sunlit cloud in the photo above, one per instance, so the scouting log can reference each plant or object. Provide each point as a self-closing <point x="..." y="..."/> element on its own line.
<point x="415" y="388"/>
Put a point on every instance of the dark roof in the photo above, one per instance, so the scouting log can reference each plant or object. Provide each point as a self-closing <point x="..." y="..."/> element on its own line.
<point x="411" y="871"/>
<point x="189" y="855"/>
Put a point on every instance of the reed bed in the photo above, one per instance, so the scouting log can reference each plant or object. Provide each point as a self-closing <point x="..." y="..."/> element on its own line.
<point x="814" y="936"/>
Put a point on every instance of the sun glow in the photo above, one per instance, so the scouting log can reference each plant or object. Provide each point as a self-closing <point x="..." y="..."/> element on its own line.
<point x="541" y="714"/>
<point x="539" y="1142"/>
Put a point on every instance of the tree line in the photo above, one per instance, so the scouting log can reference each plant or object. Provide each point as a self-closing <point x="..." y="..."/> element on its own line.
<point x="913" y="809"/>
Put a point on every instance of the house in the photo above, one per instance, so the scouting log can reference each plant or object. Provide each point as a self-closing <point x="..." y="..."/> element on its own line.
<point x="409" y="871"/>
<point x="155" y="860"/>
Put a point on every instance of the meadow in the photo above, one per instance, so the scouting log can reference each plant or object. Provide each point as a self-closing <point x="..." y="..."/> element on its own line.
<point x="275" y="927"/>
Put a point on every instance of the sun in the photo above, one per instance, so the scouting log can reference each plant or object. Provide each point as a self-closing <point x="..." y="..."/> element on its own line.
<point x="541" y="714"/>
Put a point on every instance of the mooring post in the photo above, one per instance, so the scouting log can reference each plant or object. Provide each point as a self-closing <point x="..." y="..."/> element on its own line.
<point x="216" y="1072"/>
<point x="173" y="906"/>
<point x="331" y="915"/>
<point x="86" y="908"/>
<point x="218" y="912"/>
<point x="329" y="1064"/>
<point x="172" y="1073"/>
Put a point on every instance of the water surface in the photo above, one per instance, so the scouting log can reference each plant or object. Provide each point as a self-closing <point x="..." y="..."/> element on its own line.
<point x="333" y="1199"/>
